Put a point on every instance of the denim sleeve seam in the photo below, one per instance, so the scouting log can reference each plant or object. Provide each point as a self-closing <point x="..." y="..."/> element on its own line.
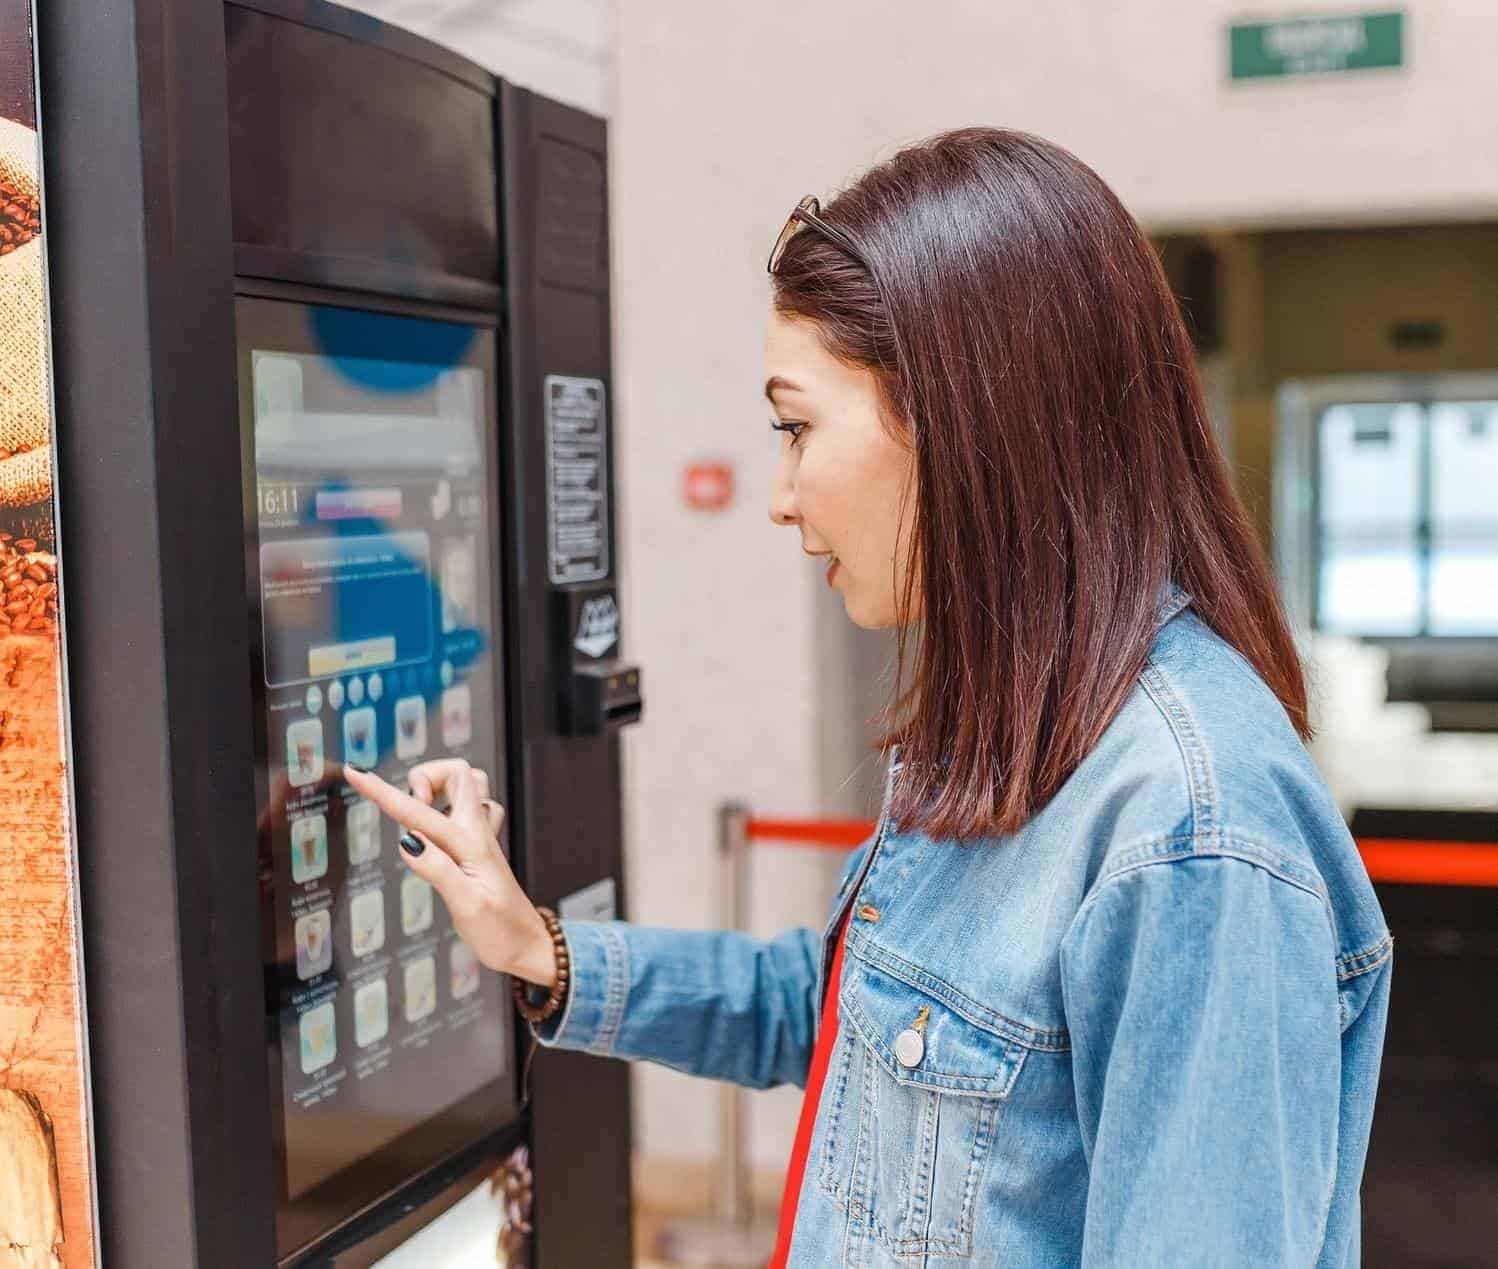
<point x="1242" y="846"/>
<point x="1229" y="849"/>
<point x="1355" y="964"/>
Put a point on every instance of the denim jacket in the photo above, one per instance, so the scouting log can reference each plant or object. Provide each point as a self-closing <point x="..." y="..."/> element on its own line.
<point x="1152" y="1017"/>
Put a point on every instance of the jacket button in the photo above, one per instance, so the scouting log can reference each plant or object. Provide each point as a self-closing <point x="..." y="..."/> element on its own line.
<point x="910" y="1048"/>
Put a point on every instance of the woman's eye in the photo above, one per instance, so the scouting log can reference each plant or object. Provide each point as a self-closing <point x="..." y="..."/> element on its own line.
<point x="790" y="427"/>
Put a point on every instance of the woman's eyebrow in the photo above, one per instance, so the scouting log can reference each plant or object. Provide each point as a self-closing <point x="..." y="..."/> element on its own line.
<point x="778" y="383"/>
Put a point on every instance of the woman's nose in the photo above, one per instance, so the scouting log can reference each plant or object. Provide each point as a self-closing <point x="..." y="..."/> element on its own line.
<point x="783" y="495"/>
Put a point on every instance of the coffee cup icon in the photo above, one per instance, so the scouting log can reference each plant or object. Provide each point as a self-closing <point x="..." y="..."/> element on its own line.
<point x="304" y="752"/>
<point x="410" y="728"/>
<point x="309" y="848"/>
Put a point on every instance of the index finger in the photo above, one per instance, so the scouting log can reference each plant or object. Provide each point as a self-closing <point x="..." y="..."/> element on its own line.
<point x="405" y="810"/>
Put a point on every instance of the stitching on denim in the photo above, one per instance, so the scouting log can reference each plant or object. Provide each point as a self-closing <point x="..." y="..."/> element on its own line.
<point x="827" y="1173"/>
<point x="1222" y="851"/>
<point x="1226" y="846"/>
<point x="1146" y="848"/>
<point x="975" y="1085"/>
<point x="919" y="1210"/>
<point x="849" y="1198"/>
<point x="616" y="959"/>
<point x="571" y="995"/>
<point x="982" y="1139"/>
<point x="985" y="1019"/>
<point x="905" y="1246"/>
<point x="1355" y="964"/>
<point x="1177" y="714"/>
<point x="848" y="893"/>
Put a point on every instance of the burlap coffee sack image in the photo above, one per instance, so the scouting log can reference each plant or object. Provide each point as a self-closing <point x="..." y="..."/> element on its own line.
<point x="25" y="450"/>
<point x="30" y="1209"/>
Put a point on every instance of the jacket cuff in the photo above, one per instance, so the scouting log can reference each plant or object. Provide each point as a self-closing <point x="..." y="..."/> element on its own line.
<point x="591" y="1018"/>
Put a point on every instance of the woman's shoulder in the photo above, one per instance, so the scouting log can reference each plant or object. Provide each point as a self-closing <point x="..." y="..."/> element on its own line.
<point x="1203" y="761"/>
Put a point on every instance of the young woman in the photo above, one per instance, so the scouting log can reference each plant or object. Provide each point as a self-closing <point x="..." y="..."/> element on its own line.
<point x="1108" y="985"/>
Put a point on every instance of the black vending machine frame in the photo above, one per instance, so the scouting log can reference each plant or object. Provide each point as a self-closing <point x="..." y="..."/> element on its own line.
<point x="143" y="271"/>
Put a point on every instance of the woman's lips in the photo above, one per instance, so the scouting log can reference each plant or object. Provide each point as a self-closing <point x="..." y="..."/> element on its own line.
<point x="832" y="571"/>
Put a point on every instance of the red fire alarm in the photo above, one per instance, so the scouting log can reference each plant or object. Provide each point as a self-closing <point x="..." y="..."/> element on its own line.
<point x="708" y="486"/>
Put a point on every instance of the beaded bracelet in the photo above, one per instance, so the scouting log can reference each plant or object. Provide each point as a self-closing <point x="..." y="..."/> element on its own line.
<point x="557" y="997"/>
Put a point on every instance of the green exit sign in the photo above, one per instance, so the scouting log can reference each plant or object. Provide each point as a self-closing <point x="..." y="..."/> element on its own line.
<point x="1317" y="46"/>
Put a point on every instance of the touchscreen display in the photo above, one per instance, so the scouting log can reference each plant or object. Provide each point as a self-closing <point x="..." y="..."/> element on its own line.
<point x="373" y="568"/>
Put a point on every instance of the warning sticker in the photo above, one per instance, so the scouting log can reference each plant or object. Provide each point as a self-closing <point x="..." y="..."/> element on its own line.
<point x="577" y="480"/>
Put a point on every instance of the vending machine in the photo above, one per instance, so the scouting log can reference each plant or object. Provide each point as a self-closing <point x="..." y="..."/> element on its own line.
<point x="331" y="351"/>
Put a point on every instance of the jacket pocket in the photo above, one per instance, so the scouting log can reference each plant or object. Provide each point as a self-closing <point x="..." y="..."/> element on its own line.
<point x="908" y="1119"/>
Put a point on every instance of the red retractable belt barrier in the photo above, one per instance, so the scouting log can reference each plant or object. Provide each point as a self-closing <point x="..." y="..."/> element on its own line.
<point x="1429" y="863"/>
<point x="829" y="834"/>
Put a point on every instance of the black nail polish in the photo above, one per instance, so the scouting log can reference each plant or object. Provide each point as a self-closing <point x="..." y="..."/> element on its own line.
<point x="412" y="844"/>
<point x="354" y="766"/>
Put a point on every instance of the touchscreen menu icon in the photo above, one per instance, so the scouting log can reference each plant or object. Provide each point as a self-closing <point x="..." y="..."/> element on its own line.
<point x="457" y="716"/>
<point x="416" y="904"/>
<point x="410" y="728"/>
<point x="319" y="1037"/>
<point x="314" y="943"/>
<point x="363" y="832"/>
<point x="367" y="922"/>
<point x="463" y="966"/>
<point x="309" y="848"/>
<point x="371" y="1012"/>
<point x="359" y="742"/>
<point x="304" y="763"/>
<point x="421" y="988"/>
<point x="459" y="582"/>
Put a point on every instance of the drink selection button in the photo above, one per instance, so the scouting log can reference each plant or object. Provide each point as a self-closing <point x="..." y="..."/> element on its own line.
<point x="367" y="922"/>
<point x="314" y="944"/>
<point x="420" y="988"/>
<point x="371" y="1012"/>
<point x="309" y="848"/>
<point x="363" y="832"/>
<point x="410" y="728"/>
<point x="463" y="966"/>
<point x="457" y="716"/>
<point x="360" y="743"/>
<point x="318" y="1029"/>
<point x="416" y="904"/>
<point x="304" y="755"/>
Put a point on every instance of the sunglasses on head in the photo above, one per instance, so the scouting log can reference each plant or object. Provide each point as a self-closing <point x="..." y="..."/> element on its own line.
<point x="808" y="212"/>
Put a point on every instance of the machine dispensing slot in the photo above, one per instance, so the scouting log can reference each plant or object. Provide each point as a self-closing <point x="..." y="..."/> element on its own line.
<point x="599" y="691"/>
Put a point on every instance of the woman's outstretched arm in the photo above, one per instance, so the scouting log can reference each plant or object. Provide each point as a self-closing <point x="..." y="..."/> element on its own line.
<point x="714" y="1003"/>
<point x="709" y="1002"/>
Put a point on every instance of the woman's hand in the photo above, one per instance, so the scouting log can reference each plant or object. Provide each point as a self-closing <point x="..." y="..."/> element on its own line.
<point x="461" y="857"/>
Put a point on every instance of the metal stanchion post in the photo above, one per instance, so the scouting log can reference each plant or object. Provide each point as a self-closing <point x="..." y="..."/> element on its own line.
<point x="735" y="1204"/>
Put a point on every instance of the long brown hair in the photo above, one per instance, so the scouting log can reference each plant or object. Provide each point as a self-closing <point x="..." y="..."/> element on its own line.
<point x="1030" y="352"/>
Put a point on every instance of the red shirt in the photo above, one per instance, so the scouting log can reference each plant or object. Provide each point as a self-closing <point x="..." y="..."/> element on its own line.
<point x="821" y="1054"/>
